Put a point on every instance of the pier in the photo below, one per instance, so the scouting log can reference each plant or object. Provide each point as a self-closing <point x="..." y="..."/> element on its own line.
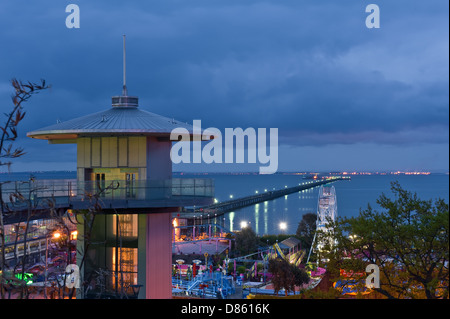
<point x="232" y="205"/>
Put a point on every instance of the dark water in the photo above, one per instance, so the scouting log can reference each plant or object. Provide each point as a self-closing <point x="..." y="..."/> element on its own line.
<point x="265" y="217"/>
<point x="24" y="176"/>
<point x="352" y="196"/>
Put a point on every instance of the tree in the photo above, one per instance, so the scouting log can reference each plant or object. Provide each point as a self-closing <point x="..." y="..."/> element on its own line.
<point x="23" y="92"/>
<point x="300" y="276"/>
<point x="246" y="241"/>
<point x="8" y="135"/>
<point x="282" y="277"/>
<point x="286" y="275"/>
<point x="408" y="240"/>
<point x="306" y="229"/>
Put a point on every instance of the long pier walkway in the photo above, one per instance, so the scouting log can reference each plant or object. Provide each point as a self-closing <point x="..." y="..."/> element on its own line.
<point x="231" y="205"/>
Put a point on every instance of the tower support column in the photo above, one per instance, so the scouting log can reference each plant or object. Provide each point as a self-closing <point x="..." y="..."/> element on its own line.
<point x="158" y="269"/>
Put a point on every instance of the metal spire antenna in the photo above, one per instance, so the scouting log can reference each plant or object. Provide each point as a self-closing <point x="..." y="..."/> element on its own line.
<point x="124" y="100"/>
<point x="124" y="91"/>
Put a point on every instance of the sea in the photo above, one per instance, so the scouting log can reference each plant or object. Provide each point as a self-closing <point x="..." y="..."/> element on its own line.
<point x="265" y="218"/>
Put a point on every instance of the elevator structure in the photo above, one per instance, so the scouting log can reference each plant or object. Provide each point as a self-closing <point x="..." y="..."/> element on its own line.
<point x="123" y="156"/>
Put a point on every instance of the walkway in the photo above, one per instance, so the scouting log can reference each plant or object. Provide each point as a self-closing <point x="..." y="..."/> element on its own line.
<point x="200" y="247"/>
<point x="231" y="205"/>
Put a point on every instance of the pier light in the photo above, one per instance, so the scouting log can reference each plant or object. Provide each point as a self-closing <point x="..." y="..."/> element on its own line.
<point x="244" y="224"/>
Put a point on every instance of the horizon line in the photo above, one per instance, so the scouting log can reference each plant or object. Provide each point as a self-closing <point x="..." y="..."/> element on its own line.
<point x="347" y="172"/>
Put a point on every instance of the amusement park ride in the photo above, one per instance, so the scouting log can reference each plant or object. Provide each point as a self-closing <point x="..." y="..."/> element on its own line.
<point x="326" y="213"/>
<point x="203" y="281"/>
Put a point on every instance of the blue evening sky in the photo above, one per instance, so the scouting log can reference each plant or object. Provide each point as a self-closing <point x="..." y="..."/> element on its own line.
<point x="343" y="97"/>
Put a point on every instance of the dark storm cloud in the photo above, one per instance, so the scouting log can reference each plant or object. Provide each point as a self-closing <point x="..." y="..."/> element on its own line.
<point x="310" y="68"/>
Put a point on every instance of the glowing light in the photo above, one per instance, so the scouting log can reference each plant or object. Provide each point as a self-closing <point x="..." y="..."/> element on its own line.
<point x="244" y="224"/>
<point x="28" y="278"/>
<point x="283" y="226"/>
<point x="74" y="235"/>
<point x="56" y="235"/>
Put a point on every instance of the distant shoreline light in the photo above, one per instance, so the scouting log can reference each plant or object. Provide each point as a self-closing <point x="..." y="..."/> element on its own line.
<point x="256" y="173"/>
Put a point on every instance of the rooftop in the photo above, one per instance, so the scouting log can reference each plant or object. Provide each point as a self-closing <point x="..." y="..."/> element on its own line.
<point x="118" y="120"/>
<point x="290" y="242"/>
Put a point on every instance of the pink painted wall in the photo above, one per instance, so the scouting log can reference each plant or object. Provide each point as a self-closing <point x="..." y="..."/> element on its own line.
<point x="159" y="256"/>
<point x="159" y="164"/>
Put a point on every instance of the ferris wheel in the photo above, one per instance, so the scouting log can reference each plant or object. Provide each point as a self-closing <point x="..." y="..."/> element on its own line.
<point x="326" y="213"/>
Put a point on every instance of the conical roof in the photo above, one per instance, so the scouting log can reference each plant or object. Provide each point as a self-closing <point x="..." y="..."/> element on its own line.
<point x="114" y="121"/>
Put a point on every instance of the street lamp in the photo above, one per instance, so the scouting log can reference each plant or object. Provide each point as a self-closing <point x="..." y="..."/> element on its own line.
<point x="56" y="235"/>
<point x="283" y="226"/>
<point x="244" y="224"/>
<point x="179" y="262"/>
<point x="136" y="289"/>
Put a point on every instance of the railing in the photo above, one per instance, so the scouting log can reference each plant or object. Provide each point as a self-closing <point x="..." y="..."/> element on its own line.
<point x="69" y="191"/>
<point x="33" y="246"/>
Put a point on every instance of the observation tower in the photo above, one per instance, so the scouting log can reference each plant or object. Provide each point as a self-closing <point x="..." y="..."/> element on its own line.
<point x="128" y="148"/>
